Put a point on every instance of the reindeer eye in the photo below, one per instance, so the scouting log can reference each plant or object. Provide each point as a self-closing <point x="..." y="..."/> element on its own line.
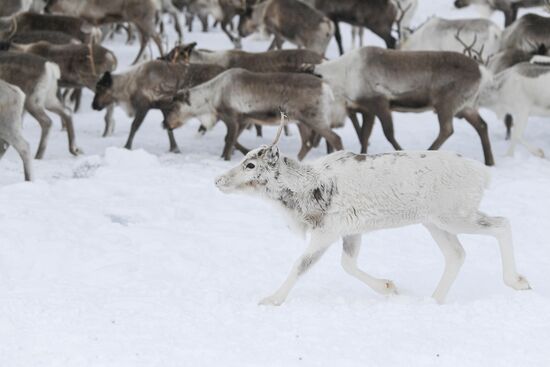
<point x="250" y="166"/>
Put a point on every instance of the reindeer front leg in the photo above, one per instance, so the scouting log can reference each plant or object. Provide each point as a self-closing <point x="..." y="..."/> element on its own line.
<point x="318" y="244"/>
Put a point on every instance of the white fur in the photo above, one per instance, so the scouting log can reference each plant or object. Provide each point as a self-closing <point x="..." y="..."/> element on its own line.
<point x="343" y="195"/>
<point x="12" y="100"/>
<point x="438" y="34"/>
<point x="511" y="92"/>
<point x="410" y="7"/>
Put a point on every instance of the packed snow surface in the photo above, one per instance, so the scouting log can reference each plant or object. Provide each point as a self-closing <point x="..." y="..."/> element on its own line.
<point x="133" y="258"/>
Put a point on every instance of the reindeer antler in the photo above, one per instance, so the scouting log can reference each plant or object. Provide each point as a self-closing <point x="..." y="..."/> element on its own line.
<point x="470" y="51"/>
<point x="14" y="27"/>
<point x="280" y="130"/>
<point x="91" y="57"/>
<point x="402" y="13"/>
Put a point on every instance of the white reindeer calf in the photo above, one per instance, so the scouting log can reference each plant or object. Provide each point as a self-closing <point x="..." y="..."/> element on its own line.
<point x="345" y="194"/>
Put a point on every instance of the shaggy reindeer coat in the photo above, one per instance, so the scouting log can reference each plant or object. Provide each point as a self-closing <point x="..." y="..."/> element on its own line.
<point x="289" y="20"/>
<point x="239" y="97"/>
<point x="343" y="195"/>
<point x="508" y="7"/>
<point x="151" y="85"/>
<point x="38" y="79"/>
<point x="29" y="22"/>
<point x="139" y="12"/>
<point x="376" y="15"/>
<point x="289" y="61"/>
<point x="528" y="33"/>
<point x="376" y="81"/>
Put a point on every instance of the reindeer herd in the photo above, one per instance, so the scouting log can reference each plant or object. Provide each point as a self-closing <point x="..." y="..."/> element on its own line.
<point x="51" y="50"/>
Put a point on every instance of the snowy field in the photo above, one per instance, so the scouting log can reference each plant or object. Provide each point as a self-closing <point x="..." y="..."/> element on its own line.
<point x="133" y="258"/>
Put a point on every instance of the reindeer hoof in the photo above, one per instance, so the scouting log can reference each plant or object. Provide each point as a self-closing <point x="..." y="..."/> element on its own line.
<point x="388" y="287"/>
<point x="175" y="150"/>
<point x="271" y="301"/>
<point x="519" y="283"/>
<point x="540" y="153"/>
<point x="76" y="151"/>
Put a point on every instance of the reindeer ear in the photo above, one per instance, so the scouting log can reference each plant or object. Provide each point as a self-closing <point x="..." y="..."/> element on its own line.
<point x="106" y="80"/>
<point x="182" y="96"/>
<point x="190" y="46"/>
<point x="272" y="155"/>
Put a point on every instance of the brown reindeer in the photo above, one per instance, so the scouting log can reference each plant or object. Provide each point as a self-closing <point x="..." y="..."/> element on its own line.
<point x="288" y="61"/>
<point x="376" y="15"/>
<point x="30" y="22"/>
<point x="270" y="61"/>
<point x="508" y="7"/>
<point x="81" y="66"/>
<point x="239" y="98"/>
<point x="290" y="20"/>
<point x="378" y="81"/>
<point x="223" y="12"/>
<point x="38" y="79"/>
<point x="53" y="37"/>
<point x="149" y="86"/>
<point x="140" y="13"/>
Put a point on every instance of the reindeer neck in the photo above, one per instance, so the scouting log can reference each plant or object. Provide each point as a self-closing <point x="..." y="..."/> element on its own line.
<point x="209" y="57"/>
<point x="291" y="181"/>
<point x="201" y="100"/>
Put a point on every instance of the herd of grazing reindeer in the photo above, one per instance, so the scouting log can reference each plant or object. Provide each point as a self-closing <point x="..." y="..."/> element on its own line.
<point x="51" y="50"/>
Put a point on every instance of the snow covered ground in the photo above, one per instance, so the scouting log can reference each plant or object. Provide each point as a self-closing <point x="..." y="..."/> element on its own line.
<point x="133" y="258"/>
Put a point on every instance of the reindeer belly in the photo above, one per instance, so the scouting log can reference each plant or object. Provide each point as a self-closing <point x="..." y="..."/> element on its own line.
<point x="410" y="102"/>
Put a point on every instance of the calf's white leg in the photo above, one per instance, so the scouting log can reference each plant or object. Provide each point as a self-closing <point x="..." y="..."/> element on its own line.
<point x="454" y="258"/>
<point x="350" y="253"/>
<point x="518" y="131"/>
<point x="498" y="228"/>
<point x="318" y="244"/>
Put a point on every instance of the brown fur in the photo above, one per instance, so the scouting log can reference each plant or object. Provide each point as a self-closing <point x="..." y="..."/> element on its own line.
<point x="28" y="22"/>
<point x="509" y="8"/>
<point x="139" y="12"/>
<point x="528" y="33"/>
<point x="53" y="37"/>
<point x="151" y="86"/>
<point x="412" y="81"/>
<point x="262" y="62"/>
<point x="376" y="15"/>
<point x="26" y="71"/>
<point x="290" y="20"/>
<point x="240" y="98"/>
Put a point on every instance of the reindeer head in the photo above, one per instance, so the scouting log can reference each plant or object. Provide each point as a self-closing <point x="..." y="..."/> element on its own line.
<point x="103" y="92"/>
<point x="180" y="53"/>
<point x="247" y="23"/>
<point x="259" y="167"/>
